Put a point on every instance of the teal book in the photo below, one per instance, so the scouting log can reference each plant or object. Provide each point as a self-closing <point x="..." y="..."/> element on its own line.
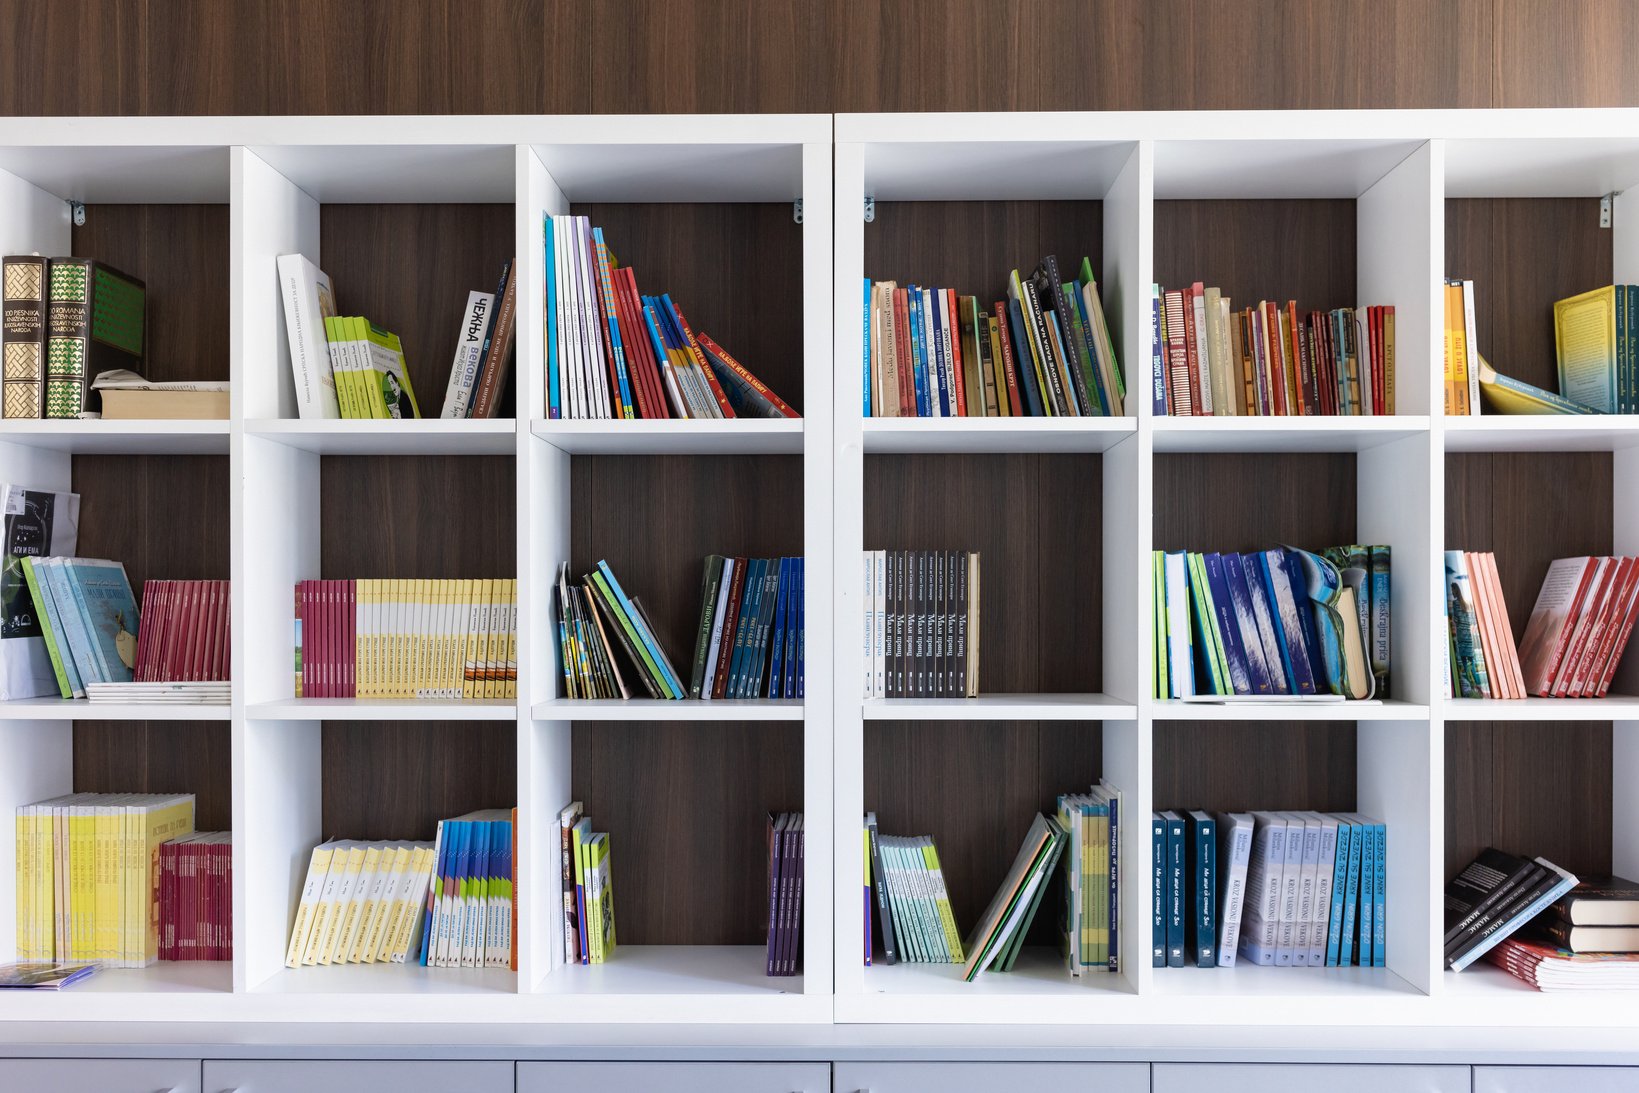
<point x="109" y="612"/>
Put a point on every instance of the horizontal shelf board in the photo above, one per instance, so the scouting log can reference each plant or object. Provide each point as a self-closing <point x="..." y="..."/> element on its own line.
<point x="676" y="172"/>
<point x="387" y="979"/>
<point x="163" y="977"/>
<point x="1249" y="981"/>
<point x="1489" y="995"/>
<point x="1002" y="707"/>
<point x="1544" y="433"/>
<point x="659" y="709"/>
<point x="993" y="170"/>
<point x="391" y="173"/>
<point x="1283" y="434"/>
<point x="1172" y="709"/>
<point x="422" y="436"/>
<point x="734" y="436"/>
<point x="384" y="709"/>
<point x="1612" y="707"/>
<point x="1578" y="166"/>
<point x="673" y="969"/>
<point x="97" y="437"/>
<point x="1037" y="972"/>
<point x="134" y="173"/>
<point x="1295" y="168"/>
<point x="995" y="434"/>
<point x="61" y="709"/>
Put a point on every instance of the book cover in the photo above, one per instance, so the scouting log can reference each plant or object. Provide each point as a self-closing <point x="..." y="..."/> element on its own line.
<point x="1260" y="915"/>
<point x="1203" y="884"/>
<point x="1585" y="345"/>
<point x="23" y="334"/>
<point x="468" y="356"/>
<point x="95" y="322"/>
<point x="1177" y="888"/>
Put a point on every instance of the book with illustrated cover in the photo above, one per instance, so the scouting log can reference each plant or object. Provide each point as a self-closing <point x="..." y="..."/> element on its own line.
<point x="1591" y="333"/>
<point x="95" y="322"/>
<point x="38" y="524"/>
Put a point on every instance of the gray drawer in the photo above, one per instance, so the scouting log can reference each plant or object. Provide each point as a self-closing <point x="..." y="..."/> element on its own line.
<point x="673" y="1077"/>
<point x="1556" y="1079"/>
<point x="100" y="1075"/>
<point x="1304" y="1078"/>
<point x="271" y="1076"/>
<point x="991" y="1077"/>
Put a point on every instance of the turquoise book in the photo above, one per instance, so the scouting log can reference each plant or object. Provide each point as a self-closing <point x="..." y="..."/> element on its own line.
<point x="109" y="613"/>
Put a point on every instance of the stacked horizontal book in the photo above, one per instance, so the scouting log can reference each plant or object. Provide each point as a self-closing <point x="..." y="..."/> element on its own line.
<point x="785" y="877"/>
<point x="362" y="903"/>
<point x="196" y="897"/>
<point x="922" y="623"/>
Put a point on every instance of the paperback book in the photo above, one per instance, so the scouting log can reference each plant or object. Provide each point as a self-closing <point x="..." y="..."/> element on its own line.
<point x="921" y="623"/>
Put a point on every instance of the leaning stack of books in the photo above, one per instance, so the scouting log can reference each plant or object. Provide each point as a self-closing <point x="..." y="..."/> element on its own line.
<point x="921" y="623"/>
<point x="594" y="618"/>
<point x="66" y="321"/>
<point x="196" y="897"/>
<point x="749" y="642"/>
<point x="362" y="903"/>
<point x="1481" y="655"/>
<point x="88" y="618"/>
<point x="1596" y="342"/>
<point x="1587" y="939"/>
<point x="1207" y="359"/>
<point x="1492" y="898"/>
<point x="469" y="918"/>
<point x="785" y="875"/>
<point x="588" y="889"/>
<point x="1000" y="932"/>
<point x="1579" y="626"/>
<point x="918" y="926"/>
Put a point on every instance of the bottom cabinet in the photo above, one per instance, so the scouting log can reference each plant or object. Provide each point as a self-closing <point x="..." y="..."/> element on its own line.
<point x="1303" y="1078"/>
<point x="674" y="1077"/>
<point x="1556" y="1079"/>
<point x="100" y="1075"/>
<point x="992" y="1077"/>
<point x="270" y="1076"/>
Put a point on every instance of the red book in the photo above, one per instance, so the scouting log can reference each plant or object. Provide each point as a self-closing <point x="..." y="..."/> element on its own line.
<point x="693" y="345"/>
<point x="953" y="326"/>
<point x="902" y="350"/>
<point x="1306" y="402"/>
<point x="166" y="912"/>
<point x="227" y="892"/>
<point x="1537" y="655"/>
<point x="1174" y="303"/>
<point x="176" y="654"/>
<point x="1581" y="624"/>
<point x="731" y="619"/>
<point x="213" y="598"/>
<point x="1608" y="603"/>
<point x="201" y="626"/>
<point x="224" y="648"/>
<point x="327" y="612"/>
<point x="1010" y="374"/>
<point x="740" y="370"/>
<point x="1192" y="358"/>
<point x="145" y="628"/>
<point x="636" y="366"/>
<point x="1620" y="643"/>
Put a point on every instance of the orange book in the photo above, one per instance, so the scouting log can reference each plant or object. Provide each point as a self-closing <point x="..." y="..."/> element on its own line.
<point x="1496" y="675"/>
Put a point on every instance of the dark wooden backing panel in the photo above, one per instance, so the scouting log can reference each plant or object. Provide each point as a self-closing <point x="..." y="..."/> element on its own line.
<point x="654" y="519"/>
<point x="164" y="516"/>
<point x="975" y="786"/>
<point x="686" y="808"/>
<point x="1276" y="250"/>
<point x="735" y="271"/>
<point x="1238" y="766"/>
<point x="1536" y="788"/>
<point x="181" y="253"/>
<point x="1516" y="504"/>
<point x="408" y="269"/>
<point x="1036" y="522"/>
<point x="1523" y="254"/>
<point x="427" y="516"/>
<point x="159" y="757"/>
<point x="1253" y="501"/>
<point x="397" y="779"/>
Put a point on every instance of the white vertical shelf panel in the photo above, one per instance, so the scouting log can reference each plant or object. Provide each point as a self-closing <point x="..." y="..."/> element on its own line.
<point x="32" y="218"/>
<point x="39" y="763"/>
<point x="1400" y="256"/>
<point x="277" y="787"/>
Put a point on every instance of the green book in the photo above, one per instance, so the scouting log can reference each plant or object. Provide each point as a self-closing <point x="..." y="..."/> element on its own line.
<point x="68" y="680"/>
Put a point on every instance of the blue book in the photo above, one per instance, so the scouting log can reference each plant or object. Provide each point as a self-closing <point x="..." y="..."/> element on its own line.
<point x="643" y="632"/>
<point x="1203" y="887"/>
<point x="752" y="681"/>
<point x="1062" y="349"/>
<point x="776" y="681"/>
<point x="1246" y="624"/>
<point x="1380" y="843"/>
<point x="1158" y="357"/>
<point x="802" y="619"/>
<point x="1082" y="322"/>
<point x="1229" y="631"/>
<point x="658" y="345"/>
<point x="1351" y="893"/>
<point x="932" y="301"/>
<point x="606" y="298"/>
<point x="919" y="358"/>
<point x="1115" y="875"/>
<point x="1306" y="621"/>
<point x="792" y="629"/>
<point x="1368" y="895"/>
<point x="866" y="408"/>
<point x="1158" y="890"/>
<point x="744" y="627"/>
<point x="107" y="611"/>
<point x="1208" y="663"/>
<point x="1022" y="361"/>
<point x="1177" y="888"/>
<point x="1294" y="652"/>
<point x="1631" y="404"/>
<point x="555" y="407"/>
<point x="440" y="849"/>
<point x="1340" y="885"/>
<point x="1263" y="613"/>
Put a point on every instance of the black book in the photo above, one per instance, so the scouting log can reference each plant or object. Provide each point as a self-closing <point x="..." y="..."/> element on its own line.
<point x="1508" y="916"/>
<point x="1037" y="319"/>
<point x="937" y="617"/>
<point x="884" y="916"/>
<point x="709" y="584"/>
<point x="960" y="686"/>
<point x="919" y="630"/>
<point x="1600" y="901"/>
<point x="1488" y="879"/>
<point x="1050" y="287"/>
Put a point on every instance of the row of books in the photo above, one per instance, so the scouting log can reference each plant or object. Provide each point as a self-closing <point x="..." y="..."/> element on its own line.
<point x="1092" y="879"/>
<point x="749" y="643"/>
<point x="1044" y="350"/>
<point x="785" y="876"/>
<point x="407" y="639"/>
<point x="1276" y="622"/>
<point x="1279" y="889"/>
<point x="1207" y="359"/>
<point x="65" y="321"/>
<point x="472" y="919"/>
<point x="1482" y="661"/>
<point x="614" y="353"/>
<point x="87" y="875"/>
<point x="196" y="897"/>
<point x="1493" y="898"/>
<point x="588" y="889"/>
<point x="921" y="623"/>
<point x="87" y="618"/>
<point x="361" y="903"/>
<point x="184" y="632"/>
<point x="912" y="903"/>
<point x="367" y="363"/>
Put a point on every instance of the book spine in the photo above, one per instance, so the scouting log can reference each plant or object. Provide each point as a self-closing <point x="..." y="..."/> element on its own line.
<point x="68" y="337"/>
<point x="708" y="605"/>
<point x="1177" y="892"/>
<point x="495" y="366"/>
<point x="1158" y="892"/>
<point x="1158" y="356"/>
<point x="23" y="335"/>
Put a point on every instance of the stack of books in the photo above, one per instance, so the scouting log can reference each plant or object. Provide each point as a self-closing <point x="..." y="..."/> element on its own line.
<point x="1043" y="350"/>
<point x="1001" y="930"/>
<point x="1482" y="660"/>
<point x="483" y="352"/>
<point x="184" y="633"/>
<point x="1092" y="879"/>
<point x="423" y="639"/>
<point x="1208" y="359"/>
<point x="913" y="905"/>
<point x="1586" y="939"/>
<point x="921" y="623"/>
<point x="66" y="321"/>
<point x="785" y="873"/>
<point x="87" y="875"/>
<point x="614" y="353"/>
<point x="749" y="643"/>
<point x="1277" y="622"/>
<point x="196" y="897"/>
<point x="1579" y="626"/>
<point x="1279" y="889"/>
<point x="1470" y="381"/>
<point x="126" y="396"/>
<point x="1492" y="898"/>
<point x="362" y="903"/>
<point x="1596" y="342"/>
<point x="588" y="889"/>
<point x="470" y="918"/>
<point x="88" y="618"/>
<point x="594" y="618"/>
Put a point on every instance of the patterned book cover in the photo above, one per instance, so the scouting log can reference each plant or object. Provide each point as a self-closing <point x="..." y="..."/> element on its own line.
<point x="22" y="333"/>
<point x="95" y="322"/>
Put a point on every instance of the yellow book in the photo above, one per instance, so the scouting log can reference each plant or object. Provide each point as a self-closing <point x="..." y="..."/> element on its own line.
<point x="1388" y="362"/>
<point x="326" y="907"/>
<point x="379" y="904"/>
<point x="357" y="908"/>
<point x="1507" y="395"/>
<point x="358" y="639"/>
<point x="26" y="884"/>
<point x="492" y="637"/>
<point x="1585" y="330"/>
<point x="431" y="604"/>
<point x="412" y="904"/>
<point x="318" y="868"/>
<point x="1457" y="358"/>
<point x="449" y="658"/>
<point x="405" y="679"/>
<point x="511" y="675"/>
<point x="372" y="637"/>
<point x="347" y="876"/>
<point x="470" y="682"/>
<point x="108" y="823"/>
<point x="947" y="918"/>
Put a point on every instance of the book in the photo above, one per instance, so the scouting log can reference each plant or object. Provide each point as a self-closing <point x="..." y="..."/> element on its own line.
<point x="43" y="975"/>
<point x="309" y="300"/>
<point x="126" y="396"/>
<point x="931" y="623"/>
<point x="22" y="335"/>
<point x="1549" y="968"/>
<point x="1600" y="901"/>
<point x="469" y="350"/>
<point x="1588" y="329"/>
<point x="1202" y="862"/>
<point x="37" y="524"/>
<point x="1234" y="855"/>
<point x="1579" y="626"/>
<point x="1584" y="939"/>
<point x="1506" y="395"/>
<point x="1013" y="905"/>
<point x="496" y="368"/>
<point x="95" y="321"/>
<point x="1476" y="923"/>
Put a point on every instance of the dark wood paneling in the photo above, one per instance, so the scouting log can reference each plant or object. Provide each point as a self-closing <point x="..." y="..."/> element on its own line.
<point x="409" y="268"/>
<point x="181" y="253"/>
<point x="654" y="519"/>
<point x="397" y="779"/>
<point x="1538" y="788"/>
<point x="686" y="807"/>
<point x="1242" y="502"/>
<point x="1523" y="254"/>
<point x="1601" y="35"/>
<point x="1237" y="766"/>
<point x="971" y="246"/>
<point x="1275" y="250"/>
<point x="1515" y="504"/>
<point x="1036" y="522"/>
<point x="432" y="516"/>
<point x="735" y="271"/>
<point x="975" y="786"/>
<point x="164" y="516"/>
<point x="159" y="757"/>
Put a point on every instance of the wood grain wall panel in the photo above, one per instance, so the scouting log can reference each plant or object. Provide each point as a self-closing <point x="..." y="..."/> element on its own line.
<point x="686" y="808"/>
<point x="655" y="519"/>
<point x="1566" y="52"/>
<point x="181" y="253"/>
<point x="1537" y="788"/>
<point x="164" y="516"/>
<point x="1523" y="254"/>
<point x="409" y="268"/>
<point x="159" y="757"/>
<point x="397" y="779"/>
<point x="417" y="516"/>
<point x="1036" y="522"/>
<point x="1275" y="250"/>
<point x="975" y="786"/>
<point x="1238" y="766"/>
<point x="755" y="312"/>
<point x="74" y="57"/>
<point x="1253" y="501"/>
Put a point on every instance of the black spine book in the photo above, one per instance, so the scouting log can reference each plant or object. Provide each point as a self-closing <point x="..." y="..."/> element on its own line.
<point x="1488" y="880"/>
<point x="708" y="611"/>
<point x="1537" y="881"/>
<point x="632" y="655"/>
<point x="936" y="562"/>
<point x="1050" y="287"/>
<point x="1049" y="360"/>
<point x="959" y="683"/>
<point x="884" y="914"/>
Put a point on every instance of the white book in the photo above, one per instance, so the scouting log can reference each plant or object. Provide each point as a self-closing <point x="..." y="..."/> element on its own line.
<point x="1203" y="351"/>
<point x="1291" y="881"/>
<point x="356" y="908"/>
<point x="413" y="907"/>
<point x="953" y="377"/>
<point x="1180" y="664"/>
<point x="327" y="908"/>
<point x="1324" y="876"/>
<point x="1473" y="345"/>
<point x="588" y="316"/>
<point x="568" y="366"/>
<point x="1307" y="888"/>
<point x="395" y="859"/>
<point x="1260" y="930"/>
<point x="1234" y="854"/>
<point x="305" y="290"/>
<point x="570" y="290"/>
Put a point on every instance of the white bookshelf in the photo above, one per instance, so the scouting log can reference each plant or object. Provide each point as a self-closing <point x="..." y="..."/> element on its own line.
<point x="276" y="173"/>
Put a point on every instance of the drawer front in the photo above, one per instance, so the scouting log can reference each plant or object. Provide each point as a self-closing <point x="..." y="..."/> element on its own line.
<point x="313" y="1076"/>
<point x="100" y="1075"/>
<point x="1302" y="1078"/>
<point x="992" y="1077"/>
<point x="674" y="1078"/>
<point x="1556" y="1079"/>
